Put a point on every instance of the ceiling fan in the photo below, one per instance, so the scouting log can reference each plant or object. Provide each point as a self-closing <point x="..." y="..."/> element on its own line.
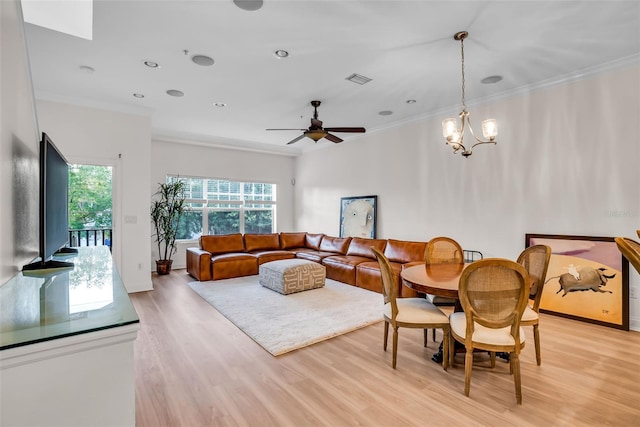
<point x="317" y="132"/>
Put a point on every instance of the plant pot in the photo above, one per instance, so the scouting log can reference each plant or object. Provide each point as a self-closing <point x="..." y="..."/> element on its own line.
<point x="163" y="266"/>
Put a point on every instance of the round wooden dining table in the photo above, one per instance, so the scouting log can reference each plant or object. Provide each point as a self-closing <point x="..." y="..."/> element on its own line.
<point x="435" y="279"/>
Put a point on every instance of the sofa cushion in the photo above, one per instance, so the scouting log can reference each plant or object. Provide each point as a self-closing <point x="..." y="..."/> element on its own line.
<point x="368" y="277"/>
<point x="362" y="247"/>
<point x="312" y="241"/>
<point x="403" y="251"/>
<point x="268" y="256"/>
<point x="292" y="240"/>
<point x="223" y="243"/>
<point x="316" y="256"/>
<point x="261" y="242"/>
<point x="342" y="267"/>
<point x="338" y="245"/>
<point x="233" y="264"/>
<point x="345" y="260"/>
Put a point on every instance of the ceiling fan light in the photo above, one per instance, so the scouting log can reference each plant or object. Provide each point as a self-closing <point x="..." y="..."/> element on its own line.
<point x="316" y="135"/>
<point x="490" y="129"/>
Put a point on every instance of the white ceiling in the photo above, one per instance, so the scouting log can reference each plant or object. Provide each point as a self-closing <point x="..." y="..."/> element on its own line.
<point x="406" y="47"/>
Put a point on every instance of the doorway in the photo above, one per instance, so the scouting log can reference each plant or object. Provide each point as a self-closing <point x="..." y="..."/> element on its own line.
<point x="90" y="205"/>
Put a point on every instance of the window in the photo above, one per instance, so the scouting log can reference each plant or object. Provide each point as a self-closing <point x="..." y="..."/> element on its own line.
<point x="220" y="206"/>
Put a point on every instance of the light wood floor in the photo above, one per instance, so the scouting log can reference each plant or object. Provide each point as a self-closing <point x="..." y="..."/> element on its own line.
<point x="195" y="368"/>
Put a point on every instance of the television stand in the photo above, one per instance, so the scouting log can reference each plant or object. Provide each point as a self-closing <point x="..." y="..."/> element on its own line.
<point x="46" y="268"/>
<point x="66" y="251"/>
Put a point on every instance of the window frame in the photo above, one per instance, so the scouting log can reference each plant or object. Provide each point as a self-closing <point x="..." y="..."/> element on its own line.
<point x="242" y="203"/>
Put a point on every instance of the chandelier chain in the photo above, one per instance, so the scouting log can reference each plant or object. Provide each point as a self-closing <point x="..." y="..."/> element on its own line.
<point x="464" y="105"/>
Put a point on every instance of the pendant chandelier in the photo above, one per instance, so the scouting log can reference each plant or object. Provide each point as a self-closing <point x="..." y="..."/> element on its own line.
<point x="454" y="131"/>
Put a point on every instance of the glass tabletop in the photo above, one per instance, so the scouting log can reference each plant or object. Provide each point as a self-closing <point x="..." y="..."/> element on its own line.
<point x="41" y="306"/>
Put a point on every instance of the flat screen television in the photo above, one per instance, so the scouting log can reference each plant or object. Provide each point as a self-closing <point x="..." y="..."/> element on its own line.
<point x="54" y="208"/>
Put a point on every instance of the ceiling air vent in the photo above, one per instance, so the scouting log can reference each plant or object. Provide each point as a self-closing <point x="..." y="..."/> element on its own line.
<point x="357" y="78"/>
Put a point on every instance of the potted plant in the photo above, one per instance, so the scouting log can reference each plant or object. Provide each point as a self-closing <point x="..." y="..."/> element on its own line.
<point x="166" y="211"/>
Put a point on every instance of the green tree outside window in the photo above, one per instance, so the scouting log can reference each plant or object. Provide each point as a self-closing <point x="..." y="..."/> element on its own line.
<point x="90" y="197"/>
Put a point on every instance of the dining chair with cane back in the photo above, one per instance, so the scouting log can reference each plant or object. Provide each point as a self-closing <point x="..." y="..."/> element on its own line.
<point x="493" y="293"/>
<point x="407" y="312"/>
<point x="630" y="249"/>
<point x="442" y="250"/>
<point x="535" y="259"/>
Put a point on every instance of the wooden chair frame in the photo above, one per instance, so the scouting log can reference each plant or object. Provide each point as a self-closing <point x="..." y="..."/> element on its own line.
<point x="535" y="259"/>
<point x="458" y="258"/>
<point x="630" y="249"/>
<point x="511" y="319"/>
<point x="441" y="321"/>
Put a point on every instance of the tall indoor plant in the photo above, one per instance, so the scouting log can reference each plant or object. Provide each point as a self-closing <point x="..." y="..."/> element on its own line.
<point x="166" y="211"/>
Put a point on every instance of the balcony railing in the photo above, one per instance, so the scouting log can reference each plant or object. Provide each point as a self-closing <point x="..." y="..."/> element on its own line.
<point x="471" y="256"/>
<point x="91" y="237"/>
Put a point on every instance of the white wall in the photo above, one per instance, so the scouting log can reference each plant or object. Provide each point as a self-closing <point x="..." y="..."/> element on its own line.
<point x="19" y="136"/>
<point x="191" y="159"/>
<point x="566" y="163"/>
<point x="93" y="136"/>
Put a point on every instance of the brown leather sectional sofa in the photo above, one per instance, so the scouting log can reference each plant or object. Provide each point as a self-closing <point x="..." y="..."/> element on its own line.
<point x="347" y="259"/>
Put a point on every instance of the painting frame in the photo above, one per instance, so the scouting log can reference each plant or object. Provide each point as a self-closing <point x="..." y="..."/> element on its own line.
<point x="362" y="216"/>
<point x="592" y="266"/>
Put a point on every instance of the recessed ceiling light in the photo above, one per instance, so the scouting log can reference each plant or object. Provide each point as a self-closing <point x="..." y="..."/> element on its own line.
<point x="220" y="104"/>
<point x="385" y="113"/>
<point x="151" y="64"/>
<point x="280" y="53"/>
<point x="138" y="95"/>
<point x="411" y="101"/>
<point x="174" y="92"/>
<point x="491" y="80"/>
<point x="249" y="5"/>
<point x="203" y="60"/>
<point x="86" y="69"/>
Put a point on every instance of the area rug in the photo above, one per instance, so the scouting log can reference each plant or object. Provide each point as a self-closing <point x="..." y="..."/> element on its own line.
<point x="283" y="323"/>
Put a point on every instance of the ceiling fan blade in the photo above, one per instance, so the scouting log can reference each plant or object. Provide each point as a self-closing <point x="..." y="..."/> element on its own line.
<point x="352" y="130"/>
<point x="288" y="129"/>
<point x="316" y="123"/>
<point x="333" y="138"/>
<point x="296" y="139"/>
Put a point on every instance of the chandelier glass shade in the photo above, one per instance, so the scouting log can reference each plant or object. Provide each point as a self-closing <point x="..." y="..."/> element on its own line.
<point x="454" y="129"/>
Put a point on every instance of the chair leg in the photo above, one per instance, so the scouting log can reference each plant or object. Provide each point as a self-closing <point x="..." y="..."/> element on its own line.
<point x="434" y="334"/>
<point x="536" y="339"/>
<point x="395" y="346"/>
<point x="426" y="335"/>
<point x="386" y="334"/>
<point x="515" y="365"/>
<point x="452" y="350"/>
<point x="468" y="363"/>
<point x="493" y="359"/>
<point x="445" y="348"/>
